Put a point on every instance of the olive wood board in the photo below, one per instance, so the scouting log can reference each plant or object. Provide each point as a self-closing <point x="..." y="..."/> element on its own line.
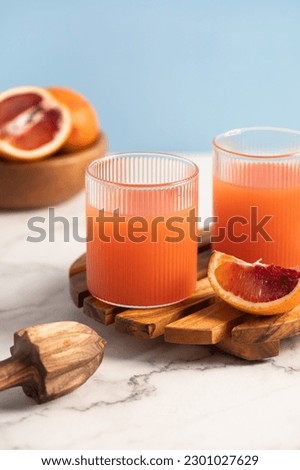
<point x="202" y="319"/>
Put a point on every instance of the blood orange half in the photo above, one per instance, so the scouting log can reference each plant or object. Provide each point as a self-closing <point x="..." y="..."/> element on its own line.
<point x="85" y="123"/>
<point x="33" y="124"/>
<point x="254" y="288"/>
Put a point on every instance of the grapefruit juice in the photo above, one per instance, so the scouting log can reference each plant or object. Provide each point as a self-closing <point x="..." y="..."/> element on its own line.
<point x="142" y="225"/>
<point x="127" y="265"/>
<point x="256" y="195"/>
<point x="276" y="241"/>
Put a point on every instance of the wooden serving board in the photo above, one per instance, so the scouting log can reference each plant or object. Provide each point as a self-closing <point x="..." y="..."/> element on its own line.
<point x="202" y="319"/>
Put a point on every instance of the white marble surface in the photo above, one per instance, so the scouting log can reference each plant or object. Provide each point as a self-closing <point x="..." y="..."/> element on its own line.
<point x="145" y="395"/>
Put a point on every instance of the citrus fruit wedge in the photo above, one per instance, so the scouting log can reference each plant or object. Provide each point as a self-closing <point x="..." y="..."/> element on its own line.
<point x="85" y="124"/>
<point x="255" y="288"/>
<point x="33" y="124"/>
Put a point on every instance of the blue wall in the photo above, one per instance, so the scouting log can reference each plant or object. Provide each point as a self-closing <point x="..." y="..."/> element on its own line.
<point x="163" y="75"/>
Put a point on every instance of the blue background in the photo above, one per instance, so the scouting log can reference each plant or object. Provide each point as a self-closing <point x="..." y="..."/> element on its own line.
<point x="163" y="75"/>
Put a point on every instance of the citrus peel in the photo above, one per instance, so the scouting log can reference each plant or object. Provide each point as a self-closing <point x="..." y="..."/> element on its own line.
<point x="85" y="124"/>
<point x="254" y="288"/>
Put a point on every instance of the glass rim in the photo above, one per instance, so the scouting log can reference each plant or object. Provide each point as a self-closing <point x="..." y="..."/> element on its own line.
<point x="242" y="130"/>
<point x="141" y="186"/>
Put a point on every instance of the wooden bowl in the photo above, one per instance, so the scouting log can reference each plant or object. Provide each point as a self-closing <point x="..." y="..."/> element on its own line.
<point x="46" y="182"/>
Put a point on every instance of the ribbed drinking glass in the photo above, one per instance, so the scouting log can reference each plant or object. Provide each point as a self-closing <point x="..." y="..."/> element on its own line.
<point x="141" y="213"/>
<point x="256" y="195"/>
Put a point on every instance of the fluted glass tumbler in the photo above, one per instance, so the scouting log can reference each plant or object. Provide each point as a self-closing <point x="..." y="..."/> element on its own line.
<point x="142" y="229"/>
<point x="256" y="195"/>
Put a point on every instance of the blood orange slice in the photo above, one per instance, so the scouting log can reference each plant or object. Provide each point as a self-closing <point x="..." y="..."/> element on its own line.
<point x="33" y="124"/>
<point x="254" y="288"/>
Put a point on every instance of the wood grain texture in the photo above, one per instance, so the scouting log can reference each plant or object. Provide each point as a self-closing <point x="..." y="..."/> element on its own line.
<point x="271" y="328"/>
<point x="25" y="185"/>
<point x="78" y="266"/>
<point x="100" y="311"/>
<point x="250" y="352"/>
<point x="150" y="323"/>
<point x="207" y="326"/>
<point x="52" y="359"/>
<point x="201" y="319"/>
<point x="78" y="288"/>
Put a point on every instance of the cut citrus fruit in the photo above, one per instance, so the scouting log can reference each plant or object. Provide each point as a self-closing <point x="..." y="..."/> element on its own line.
<point x="85" y="125"/>
<point x="33" y="124"/>
<point x="254" y="288"/>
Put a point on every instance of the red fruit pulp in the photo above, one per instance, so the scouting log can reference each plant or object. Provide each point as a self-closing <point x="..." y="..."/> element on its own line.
<point x="257" y="283"/>
<point x="28" y="121"/>
<point x="12" y="106"/>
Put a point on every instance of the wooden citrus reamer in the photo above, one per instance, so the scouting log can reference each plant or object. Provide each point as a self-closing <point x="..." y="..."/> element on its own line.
<point x="52" y="359"/>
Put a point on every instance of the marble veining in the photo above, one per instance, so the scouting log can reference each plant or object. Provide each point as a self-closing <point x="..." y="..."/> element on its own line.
<point x="146" y="394"/>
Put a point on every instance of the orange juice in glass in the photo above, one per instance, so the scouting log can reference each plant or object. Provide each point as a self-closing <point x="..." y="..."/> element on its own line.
<point x="141" y="212"/>
<point x="256" y="195"/>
